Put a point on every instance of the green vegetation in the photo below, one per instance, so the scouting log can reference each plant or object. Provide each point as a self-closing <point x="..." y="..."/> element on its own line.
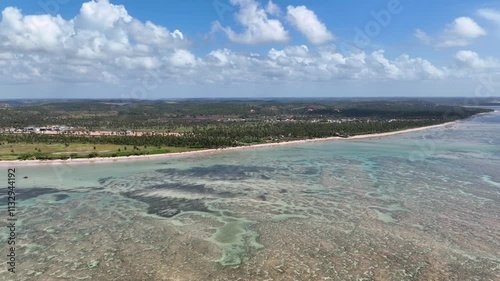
<point x="42" y="151"/>
<point x="203" y="124"/>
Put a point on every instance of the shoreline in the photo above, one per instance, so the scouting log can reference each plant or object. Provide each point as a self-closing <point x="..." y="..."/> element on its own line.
<point x="209" y="151"/>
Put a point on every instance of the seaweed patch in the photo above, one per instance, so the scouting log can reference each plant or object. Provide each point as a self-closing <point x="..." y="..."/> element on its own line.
<point x="219" y="172"/>
<point x="169" y="207"/>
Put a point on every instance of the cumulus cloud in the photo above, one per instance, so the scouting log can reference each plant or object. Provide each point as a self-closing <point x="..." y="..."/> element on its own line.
<point x="273" y="9"/>
<point x="461" y="32"/>
<point x="103" y="43"/>
<point x="101" y="15"/>
<point x="183" y="58"/>
<point x="470" y="59"/>
<point x="100" y="28"/>
<point x="299" y="63"/>
<point x="308" y="24"/>
<point x="258" y="27"/>
<point x="418" y="69"/>
<point x="26" y="33"/>
<point x="102" y="40"/>
<point x="465" y="27"/>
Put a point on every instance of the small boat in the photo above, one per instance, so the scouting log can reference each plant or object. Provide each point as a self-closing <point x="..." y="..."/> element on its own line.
<point x="25" y="177"/>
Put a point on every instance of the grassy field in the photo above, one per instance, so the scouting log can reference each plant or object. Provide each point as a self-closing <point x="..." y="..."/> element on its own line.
<point x="26" y="151"/>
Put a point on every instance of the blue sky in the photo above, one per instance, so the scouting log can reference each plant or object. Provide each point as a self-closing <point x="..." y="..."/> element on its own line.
<point x="215" y="48"/>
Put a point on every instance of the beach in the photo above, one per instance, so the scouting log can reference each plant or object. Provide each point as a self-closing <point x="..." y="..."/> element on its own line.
<point x="209" y="151"/>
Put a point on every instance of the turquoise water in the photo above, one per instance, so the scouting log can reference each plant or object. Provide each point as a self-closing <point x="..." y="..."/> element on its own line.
<point x="416" y="206"/>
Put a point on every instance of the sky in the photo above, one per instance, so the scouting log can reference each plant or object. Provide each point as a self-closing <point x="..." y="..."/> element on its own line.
<point x="248" y="48"/>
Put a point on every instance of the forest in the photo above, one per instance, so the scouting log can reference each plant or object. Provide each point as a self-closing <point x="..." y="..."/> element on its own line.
<point x="202" y="124"/>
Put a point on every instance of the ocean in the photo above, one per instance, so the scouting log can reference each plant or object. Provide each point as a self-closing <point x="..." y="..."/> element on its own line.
<point x="418" y="206"/>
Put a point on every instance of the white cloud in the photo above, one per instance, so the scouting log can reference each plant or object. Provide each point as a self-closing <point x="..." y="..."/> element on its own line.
<point x="44" y="48"/>
<point x="297" y="51"/>
<point x="423" y="37"/>
<point x="151" y="34"/>
<point x="418" y="68"/>
<point x="100" y="29"/>
<point x="308" y="24"/>
<point x="44" y="32"/>
<point x="102" y="43"/>
<point x="273" y="9"/>
<point x="182" y="58"/>
<point x="465" y="27"/>
<point x="490" y="14"/>
<point x="470" y="59"/>
<point x="258" y="27"/>
<point x="101" y="15"/>
<point x="461" y="32"/>
<point x="299" y="63"/>
<point x="131" y="63"/>
<point x="219" y="57"/>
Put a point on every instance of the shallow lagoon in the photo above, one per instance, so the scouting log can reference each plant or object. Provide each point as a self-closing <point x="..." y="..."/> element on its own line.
<point x="417" y="206"/>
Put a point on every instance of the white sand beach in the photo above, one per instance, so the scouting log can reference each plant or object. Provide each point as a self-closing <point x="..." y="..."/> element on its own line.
<point x="206" y="151"/>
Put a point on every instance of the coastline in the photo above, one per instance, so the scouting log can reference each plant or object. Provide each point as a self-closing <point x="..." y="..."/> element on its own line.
<point x="207" y="151"/>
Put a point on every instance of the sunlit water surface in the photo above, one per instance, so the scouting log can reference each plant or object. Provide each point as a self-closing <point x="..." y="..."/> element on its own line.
<point x="416" y="206"/>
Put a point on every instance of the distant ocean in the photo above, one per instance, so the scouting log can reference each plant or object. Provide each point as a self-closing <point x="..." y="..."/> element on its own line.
<point x="417" y="206"/>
